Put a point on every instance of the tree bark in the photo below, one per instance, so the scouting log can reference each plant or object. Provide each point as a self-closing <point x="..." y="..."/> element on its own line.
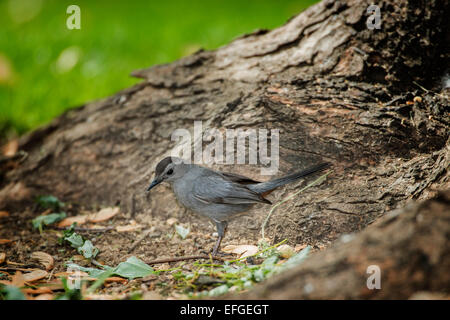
<point x="368" y="101"/>
<point x="409" y="247"/>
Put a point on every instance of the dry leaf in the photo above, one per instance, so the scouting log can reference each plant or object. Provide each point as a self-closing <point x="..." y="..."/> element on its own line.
<point x="4" y="214"/>
<point x="78" y="257"/>
<point x="44" y="296"/>
<point x="244" y="250"/>
<point x="35" y="275"/>
<point x="3" y="241"/>
<point x="18" y="280"/>
<point x="67" y="222"/>
<point x="128" y="228"/>
<point x="54" y="284"/>
<point x="67" y="273"/>
<point x="171" y="221"/>
<point x="116" y="279"/>
<point x="286" y="251"/>
<point x="300" y="247"/>
<point x="104" y="214"/>
<point x="44" y="259"/>
<point x="2" y="257"/>
<point x="37" y="290"/>
<point x="10" y="148"/>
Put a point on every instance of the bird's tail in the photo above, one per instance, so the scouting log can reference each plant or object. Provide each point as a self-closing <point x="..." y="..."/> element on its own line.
<point x="265" y="187"/>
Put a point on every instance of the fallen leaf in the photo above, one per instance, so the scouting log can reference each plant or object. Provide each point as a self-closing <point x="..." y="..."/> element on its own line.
<point x="47" y="219"/>
<point x="171" y="221"/>
<point x="4" y="214"/>
<point x="296" y="258"/>
<point x="286" y="251"/>
<point x="79" y="257"/>
<point x="10" y="148"/>
<point x="37" y="290"/>
<point x="2" y="257"/>
<point x="128" y="228"/>
<point x="67" y="222"/>
<point x="182" y="231"/>
<point x="104" y="214"/>
<point x="116" y="279"/>
<point x="3" y="241"/>
<point x="244" y="250"/>
<point x="54" y="284"/>
<point x="300" y="247"/>
<point x="69" y="273"/>
<point x="35" y="275"/>
<point x="18" y="280"/>
<point x="44" y="259"/>
<point x="88" y="250"/>
<point x="133" y="268"/>
<point x="44" y="296"/>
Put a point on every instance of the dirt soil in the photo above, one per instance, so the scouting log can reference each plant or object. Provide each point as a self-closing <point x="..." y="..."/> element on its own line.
<point x="161" y="241"/>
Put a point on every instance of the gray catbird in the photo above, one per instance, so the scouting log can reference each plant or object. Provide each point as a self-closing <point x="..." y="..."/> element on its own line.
<point x="218" y="195"/>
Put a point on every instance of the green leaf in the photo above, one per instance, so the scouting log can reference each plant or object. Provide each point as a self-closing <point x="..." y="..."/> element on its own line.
<point x="182" y="232"/>
<point x="88" y="250"/>
<point x="133" y="268"/>
<point x="219" y="290"/>
<point x="11" y="293"/>
<point x="52" y="202"/>
<point x="47" y="219"/>
<point x="93" y="272"/>
<point x="296" y="259"/>
<point x="75" y="240"/>
<point x="259" y="275"/>
<point x="270" y="261"/>
<point x="100" y="279"/>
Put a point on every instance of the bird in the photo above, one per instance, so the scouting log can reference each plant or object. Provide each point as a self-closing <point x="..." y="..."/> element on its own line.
<point x="219" y="196"/>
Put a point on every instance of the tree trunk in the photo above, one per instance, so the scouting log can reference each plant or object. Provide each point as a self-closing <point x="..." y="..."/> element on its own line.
<point x="409" y="247"/>
<point x="368" y="101"/>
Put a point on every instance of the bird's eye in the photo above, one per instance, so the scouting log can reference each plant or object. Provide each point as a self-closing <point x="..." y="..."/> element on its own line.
<point x="170" y="172"/>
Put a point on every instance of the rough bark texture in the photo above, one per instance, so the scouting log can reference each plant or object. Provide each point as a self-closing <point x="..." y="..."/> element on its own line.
<point x="336" y="90"/>
<point x="409" y="245"/>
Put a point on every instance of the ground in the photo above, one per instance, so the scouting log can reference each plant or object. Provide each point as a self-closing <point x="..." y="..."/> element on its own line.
<point x="162" y="241"/>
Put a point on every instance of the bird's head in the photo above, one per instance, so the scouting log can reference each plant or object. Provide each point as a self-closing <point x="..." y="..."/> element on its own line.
<point x="168" y="169"/>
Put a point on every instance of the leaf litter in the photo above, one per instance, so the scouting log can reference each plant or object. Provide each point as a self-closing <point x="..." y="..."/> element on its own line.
<point x="127" y="276"/>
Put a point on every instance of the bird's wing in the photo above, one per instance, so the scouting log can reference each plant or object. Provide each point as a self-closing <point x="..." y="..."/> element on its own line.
<point x="216" y="188"/>
<point x="238" y="178"/>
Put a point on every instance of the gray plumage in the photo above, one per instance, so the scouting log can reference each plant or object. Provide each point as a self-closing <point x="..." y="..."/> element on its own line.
<point x="218" y="195"/>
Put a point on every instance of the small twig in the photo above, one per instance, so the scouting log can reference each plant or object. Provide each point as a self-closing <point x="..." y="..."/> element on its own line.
<point x="175" y="259"/>
<point x="421" y="87"/>
<point x="387" y="104"/>
<point x="139" y="240"/>
<point x="24" y="265"/>
<point x="97" y="264"/>
<point x="80" y="229"/>
<point x="18" y="269"/>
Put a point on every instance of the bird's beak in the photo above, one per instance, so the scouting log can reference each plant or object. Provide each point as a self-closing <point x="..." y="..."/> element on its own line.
<point x="154" y="183"/>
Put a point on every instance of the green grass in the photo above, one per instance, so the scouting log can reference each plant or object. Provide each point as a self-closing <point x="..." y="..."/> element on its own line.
<point x="116" y="37"/>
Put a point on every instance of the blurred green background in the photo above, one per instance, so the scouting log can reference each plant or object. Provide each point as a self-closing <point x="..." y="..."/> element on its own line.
<point x="46" y="68"/>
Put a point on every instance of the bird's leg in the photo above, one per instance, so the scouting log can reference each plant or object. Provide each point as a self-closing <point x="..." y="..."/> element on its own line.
<point x="221" y="228"/>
